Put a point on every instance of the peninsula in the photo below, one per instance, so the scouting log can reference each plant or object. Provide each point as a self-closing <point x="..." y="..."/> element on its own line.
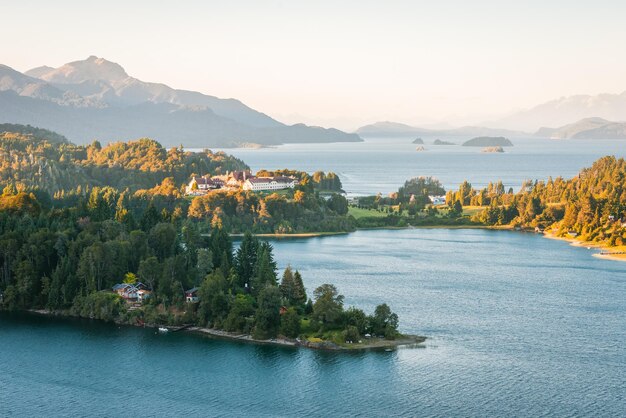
<point x="162" y="255"/>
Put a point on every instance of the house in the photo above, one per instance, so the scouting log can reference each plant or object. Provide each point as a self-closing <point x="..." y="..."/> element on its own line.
<point x="234" y="180"/>
<point x="353" y="200"/>
<point x="191" y="295"/>
<point x="131" y="292"/>
<point x="201" y="185"/>
<point x="438" y="200"/>
<point x="123" y="289"/>
<point x="143" y="295"/>
<point x="269" y="183"/>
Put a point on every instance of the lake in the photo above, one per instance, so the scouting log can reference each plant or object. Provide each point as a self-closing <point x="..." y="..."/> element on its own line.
<point x="518" y="325"/>
<point x="383" y="164"/>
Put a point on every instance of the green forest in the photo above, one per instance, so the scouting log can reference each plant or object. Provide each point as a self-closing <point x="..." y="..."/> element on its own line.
<point x="77" y="220"/>
<point x="139" y="183"/>
<point x="590" y="206"/>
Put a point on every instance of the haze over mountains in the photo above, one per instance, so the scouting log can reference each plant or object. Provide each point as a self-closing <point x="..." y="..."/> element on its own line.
<point x="589" y="128"/>
<point x="580" y="117"/>
<point x="394" y="129"/>
<point x="564" y="111"/>
<point x="567" y="117"/>
<point x="97" y="99"/>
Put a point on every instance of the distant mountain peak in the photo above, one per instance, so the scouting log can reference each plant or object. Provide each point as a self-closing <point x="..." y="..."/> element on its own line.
<point x="92" y="68"/>
<point x="96" y="98"/>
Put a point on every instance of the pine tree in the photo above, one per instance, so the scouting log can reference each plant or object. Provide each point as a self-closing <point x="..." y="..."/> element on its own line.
<point x="299" y="293"/>
<point x="287" y="285"/>
<point x="246" y="259"/>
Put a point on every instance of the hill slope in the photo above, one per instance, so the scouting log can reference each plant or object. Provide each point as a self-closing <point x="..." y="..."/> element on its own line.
<point x="96" y="98"/>
<point x="590" y="128"/>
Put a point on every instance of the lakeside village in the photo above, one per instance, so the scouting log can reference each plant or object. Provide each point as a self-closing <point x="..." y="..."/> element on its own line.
<point x="245" y="180"/>
<point x="238" y="180"/>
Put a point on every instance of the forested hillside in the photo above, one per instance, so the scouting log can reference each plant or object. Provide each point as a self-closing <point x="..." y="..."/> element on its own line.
<point x="591" y="206"/>
<point x="44" y="160"/>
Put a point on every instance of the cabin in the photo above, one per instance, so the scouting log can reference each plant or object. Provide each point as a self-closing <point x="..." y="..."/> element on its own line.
<point x="191" y="295"/>
<point x="131" y="292"/>
<point x="143" y="295"/>
<point x="269" y="183"/>
<point x="126" y="291"/>
<point x="283" y="310"/>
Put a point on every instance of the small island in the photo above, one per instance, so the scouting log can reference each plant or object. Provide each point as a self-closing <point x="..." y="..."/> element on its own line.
<point x="492" y="149"/>
<point x="488" y="141"/>
<point x="418" y="141"/>
<point x="440" y="142"/>
<point x="420" y="148"/>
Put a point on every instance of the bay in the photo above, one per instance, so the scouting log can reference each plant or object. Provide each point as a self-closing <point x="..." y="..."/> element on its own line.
<point x="518" y="325"/>
<point x="383" y="164"/>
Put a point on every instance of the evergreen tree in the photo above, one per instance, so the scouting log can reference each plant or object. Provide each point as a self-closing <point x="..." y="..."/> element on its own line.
<point x="149" y="218"/>
<point x="246" y="260"/>
<point x="267" y="316"/>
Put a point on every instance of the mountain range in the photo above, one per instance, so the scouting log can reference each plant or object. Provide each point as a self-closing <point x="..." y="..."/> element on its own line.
<point x="589" y="128"/>
<point x="394" y="129"/>
<point x="97" y="99"/>
<point x="564" y="111"/>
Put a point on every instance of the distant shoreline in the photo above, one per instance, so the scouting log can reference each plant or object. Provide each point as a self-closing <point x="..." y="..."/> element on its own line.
<point x="296" y="235"/>
<point x="574" y="242"/>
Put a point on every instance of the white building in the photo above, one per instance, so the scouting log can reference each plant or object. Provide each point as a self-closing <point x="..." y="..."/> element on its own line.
<point x="201" y="185"/>
<point x="269" y="183"/>
<point x="438" y="200"/>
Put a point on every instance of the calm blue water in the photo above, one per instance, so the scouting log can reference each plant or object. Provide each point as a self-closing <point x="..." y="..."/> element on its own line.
<point x="519" y="325"/>
<point x="382" y="165"/>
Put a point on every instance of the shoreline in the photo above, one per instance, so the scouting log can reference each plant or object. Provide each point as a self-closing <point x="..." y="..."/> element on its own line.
<point x="578" y="243"/>
<point x="296" y="235"/>
<point x="573" y="241"/>
<point x="367" y="344"/>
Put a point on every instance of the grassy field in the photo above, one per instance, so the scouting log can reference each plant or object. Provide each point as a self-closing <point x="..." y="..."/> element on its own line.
<point x="362" y="213"/>
<point x="472" y="210"/>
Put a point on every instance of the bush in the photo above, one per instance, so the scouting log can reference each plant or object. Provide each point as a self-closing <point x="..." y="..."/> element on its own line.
<point x="290" y="323"/>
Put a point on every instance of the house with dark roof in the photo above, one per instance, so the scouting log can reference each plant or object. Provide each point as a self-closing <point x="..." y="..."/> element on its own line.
<point x="132" y="292"/>
<point x="201" y="185"/>
<point x="191" y="295"/>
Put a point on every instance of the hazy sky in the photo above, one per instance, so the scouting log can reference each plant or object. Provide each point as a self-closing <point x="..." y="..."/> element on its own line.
<point x="340" y="63"/>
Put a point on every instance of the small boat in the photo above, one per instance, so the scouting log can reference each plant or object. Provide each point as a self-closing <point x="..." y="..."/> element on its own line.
<point x="163" y="330"/>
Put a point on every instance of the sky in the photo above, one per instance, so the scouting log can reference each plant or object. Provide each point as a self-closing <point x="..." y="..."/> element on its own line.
<point x="340" y="63"/>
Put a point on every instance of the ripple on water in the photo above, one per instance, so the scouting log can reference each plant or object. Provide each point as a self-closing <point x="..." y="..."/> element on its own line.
<point x="518" y="326"/>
